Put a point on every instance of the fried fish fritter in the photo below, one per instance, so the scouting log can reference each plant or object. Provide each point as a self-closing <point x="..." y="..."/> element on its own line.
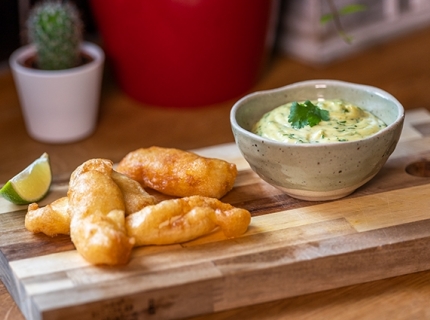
<point x="179" y="173"/>
<point x="135" y="197"/>
<point x="185" y="219"/>
<point x="52" y="219"/>
<point x="107" y="212"/>
<point x="97" y="211"/>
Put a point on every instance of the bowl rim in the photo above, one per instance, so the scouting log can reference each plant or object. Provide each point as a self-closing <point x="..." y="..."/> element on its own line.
<point x="238" y="104"/>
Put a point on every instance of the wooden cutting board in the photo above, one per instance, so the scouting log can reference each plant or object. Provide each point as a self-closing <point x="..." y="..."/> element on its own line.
<point x="292" y="247"/>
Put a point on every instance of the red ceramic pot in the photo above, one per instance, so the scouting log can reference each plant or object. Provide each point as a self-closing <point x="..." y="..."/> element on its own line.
<point x="184" y="53"/>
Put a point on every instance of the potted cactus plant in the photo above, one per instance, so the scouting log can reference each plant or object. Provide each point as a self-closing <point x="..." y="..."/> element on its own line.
<point x="57" y="75"/>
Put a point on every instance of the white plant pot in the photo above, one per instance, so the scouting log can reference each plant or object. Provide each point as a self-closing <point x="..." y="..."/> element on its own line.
<point x="59" y="106"/>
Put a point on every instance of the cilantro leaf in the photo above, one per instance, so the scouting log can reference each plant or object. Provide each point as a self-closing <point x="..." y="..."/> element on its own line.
<point x="302" y="114"/>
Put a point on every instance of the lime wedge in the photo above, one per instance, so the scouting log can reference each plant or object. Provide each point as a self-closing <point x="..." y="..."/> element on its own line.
<point x="30" y="185"/>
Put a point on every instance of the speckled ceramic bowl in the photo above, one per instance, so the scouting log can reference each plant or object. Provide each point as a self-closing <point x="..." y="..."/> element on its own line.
<point x="323" y="171"/>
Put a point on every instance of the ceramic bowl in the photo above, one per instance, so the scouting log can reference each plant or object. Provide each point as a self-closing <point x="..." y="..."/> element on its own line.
<point x="323" y="171"/>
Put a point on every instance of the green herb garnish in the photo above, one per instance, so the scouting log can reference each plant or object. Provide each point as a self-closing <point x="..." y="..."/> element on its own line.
<point x="303" y="114"/>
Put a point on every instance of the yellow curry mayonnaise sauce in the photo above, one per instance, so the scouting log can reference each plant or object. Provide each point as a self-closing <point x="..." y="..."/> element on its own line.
<point x="347" y="123"/>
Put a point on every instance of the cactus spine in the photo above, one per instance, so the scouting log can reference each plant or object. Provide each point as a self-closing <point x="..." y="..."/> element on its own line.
<point x="55" y="28"/>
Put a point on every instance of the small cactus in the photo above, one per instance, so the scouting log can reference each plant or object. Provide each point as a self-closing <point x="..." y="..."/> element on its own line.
<point x="55" y="28"/>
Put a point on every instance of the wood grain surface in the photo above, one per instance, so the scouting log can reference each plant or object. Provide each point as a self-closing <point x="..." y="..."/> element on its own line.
<point x="399" y="66"/>
<point x="292" y="248"/>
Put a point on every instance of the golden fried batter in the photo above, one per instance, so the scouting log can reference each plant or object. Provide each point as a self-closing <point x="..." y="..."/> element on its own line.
<point x="52" y="219"/>
<point x="135" y="197"/>
<point x="99" y="198"/>
<point x="55" y="219"/>
<point x="179" y="173"/>
<point x="96" y="207"/>
<point x="184" y="219"/>
<point x="101" y="165"/>
<point x="101" y="238"/>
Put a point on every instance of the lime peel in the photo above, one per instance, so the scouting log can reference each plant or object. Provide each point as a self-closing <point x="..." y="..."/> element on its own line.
<point x="30" y="185"/>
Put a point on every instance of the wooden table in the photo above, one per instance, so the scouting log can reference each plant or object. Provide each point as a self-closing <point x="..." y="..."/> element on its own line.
<point x="401" y="67"/>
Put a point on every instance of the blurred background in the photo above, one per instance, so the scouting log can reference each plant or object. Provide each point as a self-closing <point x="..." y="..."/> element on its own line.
<point x="13" y="14"/>
<point x="297" y="33"/>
